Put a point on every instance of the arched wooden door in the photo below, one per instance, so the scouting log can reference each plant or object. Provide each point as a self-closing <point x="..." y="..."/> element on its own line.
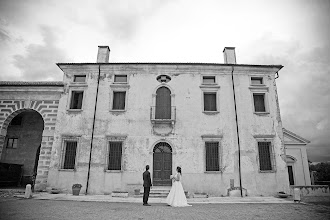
<point x="163" y="103"/>
<point x="162" y="164"/>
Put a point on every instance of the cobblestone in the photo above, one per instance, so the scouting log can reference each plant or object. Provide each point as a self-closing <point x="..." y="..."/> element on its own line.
<point x="49" y="209"/>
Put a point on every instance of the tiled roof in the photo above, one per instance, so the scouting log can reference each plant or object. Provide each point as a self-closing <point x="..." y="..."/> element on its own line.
<point x="31" y="83"/>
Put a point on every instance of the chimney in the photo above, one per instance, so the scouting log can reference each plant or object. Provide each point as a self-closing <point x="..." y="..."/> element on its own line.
<point x="103" y="54"/>
<point x="229" y="55"/>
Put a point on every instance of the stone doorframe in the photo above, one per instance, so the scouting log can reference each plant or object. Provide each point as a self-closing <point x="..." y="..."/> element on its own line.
<point x="48" y="110"/>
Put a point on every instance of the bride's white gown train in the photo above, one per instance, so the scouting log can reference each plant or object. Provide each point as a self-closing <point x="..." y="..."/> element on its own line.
<point x="176" y="197"/>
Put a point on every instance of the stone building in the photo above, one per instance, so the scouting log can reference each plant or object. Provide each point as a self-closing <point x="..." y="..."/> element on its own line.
<point x="219" y="122"/>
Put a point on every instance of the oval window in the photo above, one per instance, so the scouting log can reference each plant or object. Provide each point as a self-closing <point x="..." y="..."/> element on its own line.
<point x="163" y="78"/>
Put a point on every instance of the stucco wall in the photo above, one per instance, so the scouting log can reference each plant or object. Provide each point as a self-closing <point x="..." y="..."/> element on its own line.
<point x="300" y="166"/>
<point x="186" y="137"/>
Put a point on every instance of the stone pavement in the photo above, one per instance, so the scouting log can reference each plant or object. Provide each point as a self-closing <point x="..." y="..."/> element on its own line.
<point x="109" y="198"/>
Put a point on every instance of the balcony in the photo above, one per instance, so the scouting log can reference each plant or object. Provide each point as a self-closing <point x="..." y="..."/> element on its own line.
<point x="162" y="114"/>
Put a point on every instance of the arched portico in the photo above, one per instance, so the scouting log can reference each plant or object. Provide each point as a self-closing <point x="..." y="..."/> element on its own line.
<point x="48" y="111"/>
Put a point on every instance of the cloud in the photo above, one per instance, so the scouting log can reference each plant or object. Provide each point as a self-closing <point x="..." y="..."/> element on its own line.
<point x="40" y="60"/>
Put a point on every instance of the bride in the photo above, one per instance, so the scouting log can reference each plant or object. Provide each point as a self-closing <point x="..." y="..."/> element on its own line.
<point x="176" y="197"/>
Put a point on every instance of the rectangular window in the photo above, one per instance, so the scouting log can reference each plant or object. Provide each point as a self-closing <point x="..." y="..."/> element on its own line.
<point x="208" y="79"/>
<point x="265" y="156"/>
<point x="115" y="152"/>
<point x="79" y="78"/>
<point x="12" y="143"/>
<point x="118" y="100"/>
<point x="257" y="81"/>
<point x="210" y="103"/>
<point x="76" y="99"/>
<point x="212" y="156"/>
<point x="121" y="78"/>
<point x="70" y="154"/>
<point x="259" y="102"/>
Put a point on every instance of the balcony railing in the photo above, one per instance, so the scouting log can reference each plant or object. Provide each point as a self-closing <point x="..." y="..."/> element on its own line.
<point x="162" y="114"/>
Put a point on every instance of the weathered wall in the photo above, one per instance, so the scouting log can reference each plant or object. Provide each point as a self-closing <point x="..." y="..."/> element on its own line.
<point x="186" y="137"/>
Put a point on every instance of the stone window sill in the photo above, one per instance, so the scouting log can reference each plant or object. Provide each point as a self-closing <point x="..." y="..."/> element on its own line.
<point x="211" y="112"/>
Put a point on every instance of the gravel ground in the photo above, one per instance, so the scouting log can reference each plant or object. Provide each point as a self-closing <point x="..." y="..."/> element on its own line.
<point x="18" y="208"/>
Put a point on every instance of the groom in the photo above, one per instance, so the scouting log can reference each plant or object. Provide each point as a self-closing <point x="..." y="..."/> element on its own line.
<point x="146" y="185"/>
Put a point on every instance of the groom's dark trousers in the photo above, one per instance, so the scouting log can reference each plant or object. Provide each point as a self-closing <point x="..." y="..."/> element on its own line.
<point x="146" y="185"/>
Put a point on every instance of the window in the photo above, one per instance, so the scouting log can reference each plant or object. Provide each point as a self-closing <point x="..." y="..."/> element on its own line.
<point x="12" y="143"/>
<point x="210" y="103"/>
<point x="208" y="79"/>
<point x="120" y="78"/>
<point x="163" y="79"/>
<point x="79" y="78"/>
<point x="257" y="81"/>
<point x="119" y="100"/>
<point x="212" y="156"/>
<point x="70" y="149"/>
<point x="259" y="102"/>
<point x="115" y="152"/>
<point x="265" y="156"/>
<point x="17" y="120"/>
<point x="76" y="99"/>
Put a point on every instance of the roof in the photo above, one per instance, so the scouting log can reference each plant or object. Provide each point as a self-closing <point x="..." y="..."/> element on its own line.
<point x="31" y="83"/>
<point x="295" y="136"/>
<point x="204" y="64"/>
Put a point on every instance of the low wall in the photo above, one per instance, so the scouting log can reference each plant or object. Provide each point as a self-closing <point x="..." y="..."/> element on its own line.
<point x="313" y="190"/>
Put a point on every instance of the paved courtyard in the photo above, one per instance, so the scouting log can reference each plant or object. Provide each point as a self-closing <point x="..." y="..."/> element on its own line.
<point x="19" y="208"/>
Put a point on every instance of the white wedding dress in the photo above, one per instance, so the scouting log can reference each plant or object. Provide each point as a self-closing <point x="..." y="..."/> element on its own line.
<point x="176" y="197"/>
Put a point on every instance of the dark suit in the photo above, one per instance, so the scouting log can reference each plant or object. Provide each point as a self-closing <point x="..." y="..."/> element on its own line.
<point x="146" y="185"/>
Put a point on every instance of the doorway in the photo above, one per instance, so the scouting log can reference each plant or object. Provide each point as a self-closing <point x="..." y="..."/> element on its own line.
<point x="291" y="178"/>
<point x="162" y="164"/>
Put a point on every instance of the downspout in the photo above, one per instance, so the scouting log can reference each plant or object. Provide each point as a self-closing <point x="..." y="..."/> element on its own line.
<point x="90" y="152"/>
<point x="239" y="147"/>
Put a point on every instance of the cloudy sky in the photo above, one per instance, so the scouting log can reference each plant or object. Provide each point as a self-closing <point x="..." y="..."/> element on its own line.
<point x="36" y="34"/>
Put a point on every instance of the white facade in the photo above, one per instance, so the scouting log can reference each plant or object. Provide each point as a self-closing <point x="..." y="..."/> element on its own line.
<point x="296" y="153"/>
<point x="187" y="131"/>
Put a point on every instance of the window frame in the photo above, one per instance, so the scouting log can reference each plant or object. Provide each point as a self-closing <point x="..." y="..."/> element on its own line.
<point x="63" y="152"/>
<point x="272" y="155"/>
<point x="259" y="77"/>
<point x="7" y="141"/>
<point x="79" y="75"/>
<point x="211" y="88"/>
<point x="118" y="88"/>
<point x="265" y="92"/>
<point x="114" y="138"/>
<point x="114" y="79"/>
<point x="213" y="138"/>
<point x="209" y="76"/>
<point x="76" y="89"/>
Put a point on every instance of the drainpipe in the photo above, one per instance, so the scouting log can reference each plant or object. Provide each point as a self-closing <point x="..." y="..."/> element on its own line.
<point x="239" y="147"/>
<point x="90" y="152"/>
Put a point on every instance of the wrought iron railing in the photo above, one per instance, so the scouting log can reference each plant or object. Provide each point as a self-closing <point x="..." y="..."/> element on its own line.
<point x="162" y="113"/>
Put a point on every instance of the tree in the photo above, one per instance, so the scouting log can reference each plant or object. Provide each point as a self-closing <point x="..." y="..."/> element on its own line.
<point x="322" y="171"/>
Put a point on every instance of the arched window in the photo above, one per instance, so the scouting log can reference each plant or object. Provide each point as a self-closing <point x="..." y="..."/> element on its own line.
<point x="163" y="103"/>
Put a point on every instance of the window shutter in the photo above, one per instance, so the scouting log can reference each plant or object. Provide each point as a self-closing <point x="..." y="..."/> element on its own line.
<point x="265" y="155"/>
<point x="259" y="102"/>
<point x="119" y="100"/>
<point x="115" y="152"/>
<point x="212" y="156"/>
<point x="210" y="102"/>
<point x="70" y="155"/>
